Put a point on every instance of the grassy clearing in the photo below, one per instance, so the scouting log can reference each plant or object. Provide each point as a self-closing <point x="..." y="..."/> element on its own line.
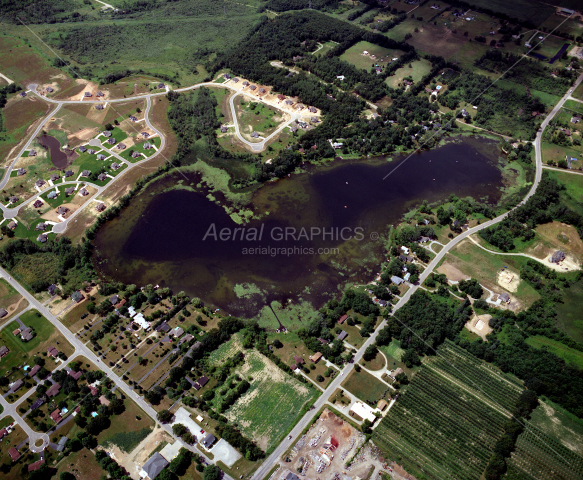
<point x="36" y="267"/>
<point x="365" y="387"/>
<point x="83" y="463"/>
<point x="417" y="71"/>
<point x="257" y="117"/>
<point x="9" y="297"/>
<point x="573" y="193"/>
<point x="569" y="312"/>
<point x="355" y="56"/>
<point x="270" y="407"/>
<point x="292" y="316"/>
<point x="133" y="419"/>
<point x="127" y="441"/>
<point x="570" y="355"/>
<point x="554" y="153"/>
<point x="444" y="423"/>
<point x="560" y="424"/>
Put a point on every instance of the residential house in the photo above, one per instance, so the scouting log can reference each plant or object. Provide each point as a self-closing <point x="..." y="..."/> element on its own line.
<point x="52" y="290"/>
<point x="253" y="87"/>
<point x="187" y="338"/>
<point x="341" y="336"/>
<point x="14" y="455"/>
<point x="154" y="466"/>
<point x="161" y="85"/>
<point x="3" y="312"/>
<point x="38" y="204"/>
<point x="88" y="94"/>
<point x="281" y="97"/>
<point x="255" y="135"/>
<point x="85" y="173"/>
<point x="20" y="172"/>
<point x="111" y="141"/>
<point x="104" y="401"/>
<point x="224" y="129"/>
<point x="32" y="153"/>
<point x="145" y="134"/>
<point x="315" y="120"/>
<point x="102" y="177"/>
<point x="100" y="207"/>
<point x="99" y="107"/>
<point x="397" y="280"/>
<point x="53" y="352"/>
<point x="135" y="154"/>
<point x="208" y="441"/>
<point x="42" y="238"/>
<point x="75" y="375"/>
<point x="133" y="119"/>
<point x="289" y="102"/>
<point x="342" y="319"/>
<point x="558" y="256"/>
<point x="52" y="195"/>
<point x="56" y="416"/>
<point x="82" y="149"/>
<point x="163" y="327"/>
<point x="93" y="390"/>
<point x="69" y="190"/>
<point x="262" y="90"/>
<point x="33" y="371"/>
<point x="61" y="444"/>
<point x="382" y="405"/>
<point x="62" y="210"/>
<point x="39" y="183"/>
<point x="16" y="385"/>
<point x="202" y="381"/>
<point x="106" y="133"/>
<point x="4" y="351"/>
<point x="177" y="332"/>
<point x="12" y="225"/>
<point x="37" y="403"/>
<point x="22" y="94"/>
<point x="27" y="334"/>
<point x="115" y="166"/>
<point x="83" y="192"/>
<point x="147" y="146"/>
<point x="298" y="361"/>
<point x="100" y="156"/>
<point x="13" y="199"/>
<point x="504" y="297"/>
<point x="235" y="80"/>
<point x="245" y="83"/>
<point x="316" y="357"/>
<point x="313" y="109"/>
<point x="54" y="390"/>
<point x="226" y="76"/>
<point x="69" y="173"/>
<point x="394" y="373"/>
<point x="77" y="296"/>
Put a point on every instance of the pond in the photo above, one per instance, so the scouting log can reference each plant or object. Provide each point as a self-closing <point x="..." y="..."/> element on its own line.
<point x="58" y="157"/>
<point x="327" y="220"/>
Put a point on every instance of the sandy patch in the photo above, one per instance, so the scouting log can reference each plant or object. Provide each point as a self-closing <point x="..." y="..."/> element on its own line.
<point x="508" y="280"/>
<point x="567" y="265"/>
<point x="89" y="87"/>
<point x="451" y="272"/>
<point x="134" y="460"/>
<point x="479" y="325"/>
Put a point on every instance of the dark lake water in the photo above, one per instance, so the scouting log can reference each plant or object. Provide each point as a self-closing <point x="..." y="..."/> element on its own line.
<point x="160" y="237"/>
<point x="58" y="157"/>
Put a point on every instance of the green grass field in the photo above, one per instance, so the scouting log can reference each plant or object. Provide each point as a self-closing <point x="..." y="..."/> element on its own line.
<point x="570" y="355"/>
<point x="363" y="385"/>
<point x="326" y="47"/>
<point x="417" y="71"/>
<point x="273" y="402"/>
<point x="355" y="56"/>
<point x="560" y="424"/>
<point x="449" y="418"/>
<point x="255" y="116"/>
<point x="573" y="193"/>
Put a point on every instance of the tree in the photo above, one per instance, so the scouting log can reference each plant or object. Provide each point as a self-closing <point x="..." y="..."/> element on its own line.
<point x="410" y="358"/>
<point x="211" y="472"/>
<point x="179" y="429"/>
<point x="67" y="476"/>
<point x="277" y="343"/>
<point x="370" y="353"/>
<point x="320" y="378"/>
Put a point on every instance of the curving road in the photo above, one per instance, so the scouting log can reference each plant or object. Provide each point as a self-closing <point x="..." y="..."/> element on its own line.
<point x="273" y="459"/>
<point x="82" y="349"/>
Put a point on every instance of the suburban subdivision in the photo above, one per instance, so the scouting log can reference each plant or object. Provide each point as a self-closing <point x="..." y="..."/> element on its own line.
<point x="288" y="239"/>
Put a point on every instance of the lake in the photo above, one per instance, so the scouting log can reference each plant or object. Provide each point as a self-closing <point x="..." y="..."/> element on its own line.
<point x="58" y="157"/>
<point x="321" y="230"/>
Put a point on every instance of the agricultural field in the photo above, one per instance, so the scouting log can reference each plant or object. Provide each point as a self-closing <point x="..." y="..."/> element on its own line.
<point x="269" y="408"/>
<point x="559" y="424"/>
<point x="450" y="417"/>
<point x="364" y="386"/>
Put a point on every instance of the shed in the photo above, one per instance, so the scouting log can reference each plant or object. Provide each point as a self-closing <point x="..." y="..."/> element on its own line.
<point x="382" y="405"/>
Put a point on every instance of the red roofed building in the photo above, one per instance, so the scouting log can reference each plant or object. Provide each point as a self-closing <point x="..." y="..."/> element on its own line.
<point x="342" y="319"/>
<point x="120" y="303"/>
<point x="16" y="332"/>
<point x="75" y="375"/>
<point x="93" y="390"/>
<point x="3" y="433"/>
<point x="56" y="416"/>
<point x="53" y="352"/>
<point x="14" y="454"/>
<point x="35" y="466"/>
<point x="53" y="390"/>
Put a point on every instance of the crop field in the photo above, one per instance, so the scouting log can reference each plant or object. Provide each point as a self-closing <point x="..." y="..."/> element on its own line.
<point x="270" y="406"/>
<point x="559" y="424"/>
<point x="450" y="417"/>
<point x="539" y="456"/>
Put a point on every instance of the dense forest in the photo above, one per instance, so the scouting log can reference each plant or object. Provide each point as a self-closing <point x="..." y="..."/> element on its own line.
<point x="4" y="92"/>
<point x="286" y="5"/>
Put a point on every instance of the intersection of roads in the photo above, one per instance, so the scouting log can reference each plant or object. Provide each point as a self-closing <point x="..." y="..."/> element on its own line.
<point x="82" y="349"/>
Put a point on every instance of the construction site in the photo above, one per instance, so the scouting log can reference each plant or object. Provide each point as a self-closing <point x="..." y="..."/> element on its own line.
<point x="325" y="450"/>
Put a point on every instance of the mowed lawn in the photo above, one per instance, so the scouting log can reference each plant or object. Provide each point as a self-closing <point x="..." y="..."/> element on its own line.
<point x="416" y="71"/>
<point x="45" y="336"/>
<point x="9" y="297"/>
<point x="573" y="193"/>
<point x="364" y="386"/>
<point x="273" y="402"/>
<point x="355" y="55"/>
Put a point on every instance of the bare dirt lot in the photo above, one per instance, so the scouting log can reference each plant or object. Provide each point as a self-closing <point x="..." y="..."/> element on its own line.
<point x="451" y="272"/>
<point x="508" y="280"/>
<point x="479" y="325"/>
<point x="325" y="449"/>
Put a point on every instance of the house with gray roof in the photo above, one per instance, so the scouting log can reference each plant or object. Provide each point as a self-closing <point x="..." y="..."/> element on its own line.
<point x="100" y="156"/>
<point x="69" y="173"/>
<point x="208" y="441"/>
<point x="85" y="173"/>
<point x="42" y="238"/>
<point x="153" y="466"/>
<point x="397" y="280"/>
<point x="111" y="141"/>
<point x="107" y="133"/>
<point x="69" y="190"/>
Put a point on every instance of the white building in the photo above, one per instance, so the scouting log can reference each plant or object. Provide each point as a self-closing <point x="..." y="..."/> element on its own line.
<point x="364" y="411"/>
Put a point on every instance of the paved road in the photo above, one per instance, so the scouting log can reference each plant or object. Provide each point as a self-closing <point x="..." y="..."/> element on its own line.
<point x="80" y="349"/>
<point x="264" y="469"/>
